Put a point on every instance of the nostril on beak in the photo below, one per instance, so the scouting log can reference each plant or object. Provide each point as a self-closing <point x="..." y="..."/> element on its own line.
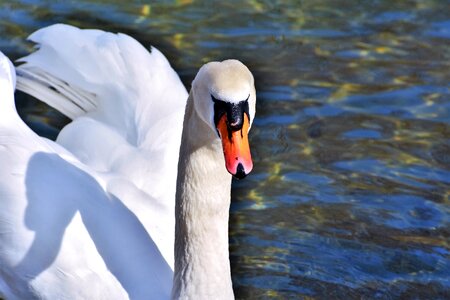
<point x="240" y="172"/>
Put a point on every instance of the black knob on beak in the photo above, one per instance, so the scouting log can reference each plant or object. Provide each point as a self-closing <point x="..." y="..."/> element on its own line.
<point x="235" y="117"/>
<point x="234" y="111"/>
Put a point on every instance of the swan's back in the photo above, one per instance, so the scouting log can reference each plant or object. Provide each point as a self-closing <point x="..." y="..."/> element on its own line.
<point x="96" y="210"/>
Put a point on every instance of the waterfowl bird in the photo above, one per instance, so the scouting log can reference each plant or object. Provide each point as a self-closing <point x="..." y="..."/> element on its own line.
<point x="143" y="169"/>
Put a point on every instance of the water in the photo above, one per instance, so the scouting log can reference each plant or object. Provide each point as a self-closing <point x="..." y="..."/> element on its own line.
<point x="349" y="198"/>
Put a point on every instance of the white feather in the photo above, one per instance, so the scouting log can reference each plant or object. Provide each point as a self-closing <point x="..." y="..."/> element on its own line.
<point x="97" y="213"/>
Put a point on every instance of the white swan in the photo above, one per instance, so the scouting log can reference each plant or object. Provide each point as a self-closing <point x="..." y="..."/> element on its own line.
<point x="91" y="216"/>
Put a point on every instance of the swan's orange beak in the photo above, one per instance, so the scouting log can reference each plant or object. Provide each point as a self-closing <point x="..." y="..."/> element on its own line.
<point x="236" y="148"/>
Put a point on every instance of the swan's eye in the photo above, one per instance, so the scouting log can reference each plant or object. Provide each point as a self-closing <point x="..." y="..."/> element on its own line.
<point x="234" y="112"/>
<point x="220" y="108"/>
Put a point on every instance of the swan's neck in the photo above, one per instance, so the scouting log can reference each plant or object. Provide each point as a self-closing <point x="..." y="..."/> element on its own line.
<point x="202" y="266"/>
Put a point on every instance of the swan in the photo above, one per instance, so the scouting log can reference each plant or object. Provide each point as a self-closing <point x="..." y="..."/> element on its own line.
<point x="132" y="199"/>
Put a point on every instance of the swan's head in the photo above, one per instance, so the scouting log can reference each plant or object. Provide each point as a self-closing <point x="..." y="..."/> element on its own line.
<point x="225" y="99"/>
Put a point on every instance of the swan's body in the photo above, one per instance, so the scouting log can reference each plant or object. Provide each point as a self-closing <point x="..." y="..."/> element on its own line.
<point x="91" y="216"/>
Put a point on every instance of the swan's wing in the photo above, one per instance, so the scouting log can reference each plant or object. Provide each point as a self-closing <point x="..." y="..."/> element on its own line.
<point x="127" y="105"/>
<point x="114" y="81"/>
<point x="62" y="234"/>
